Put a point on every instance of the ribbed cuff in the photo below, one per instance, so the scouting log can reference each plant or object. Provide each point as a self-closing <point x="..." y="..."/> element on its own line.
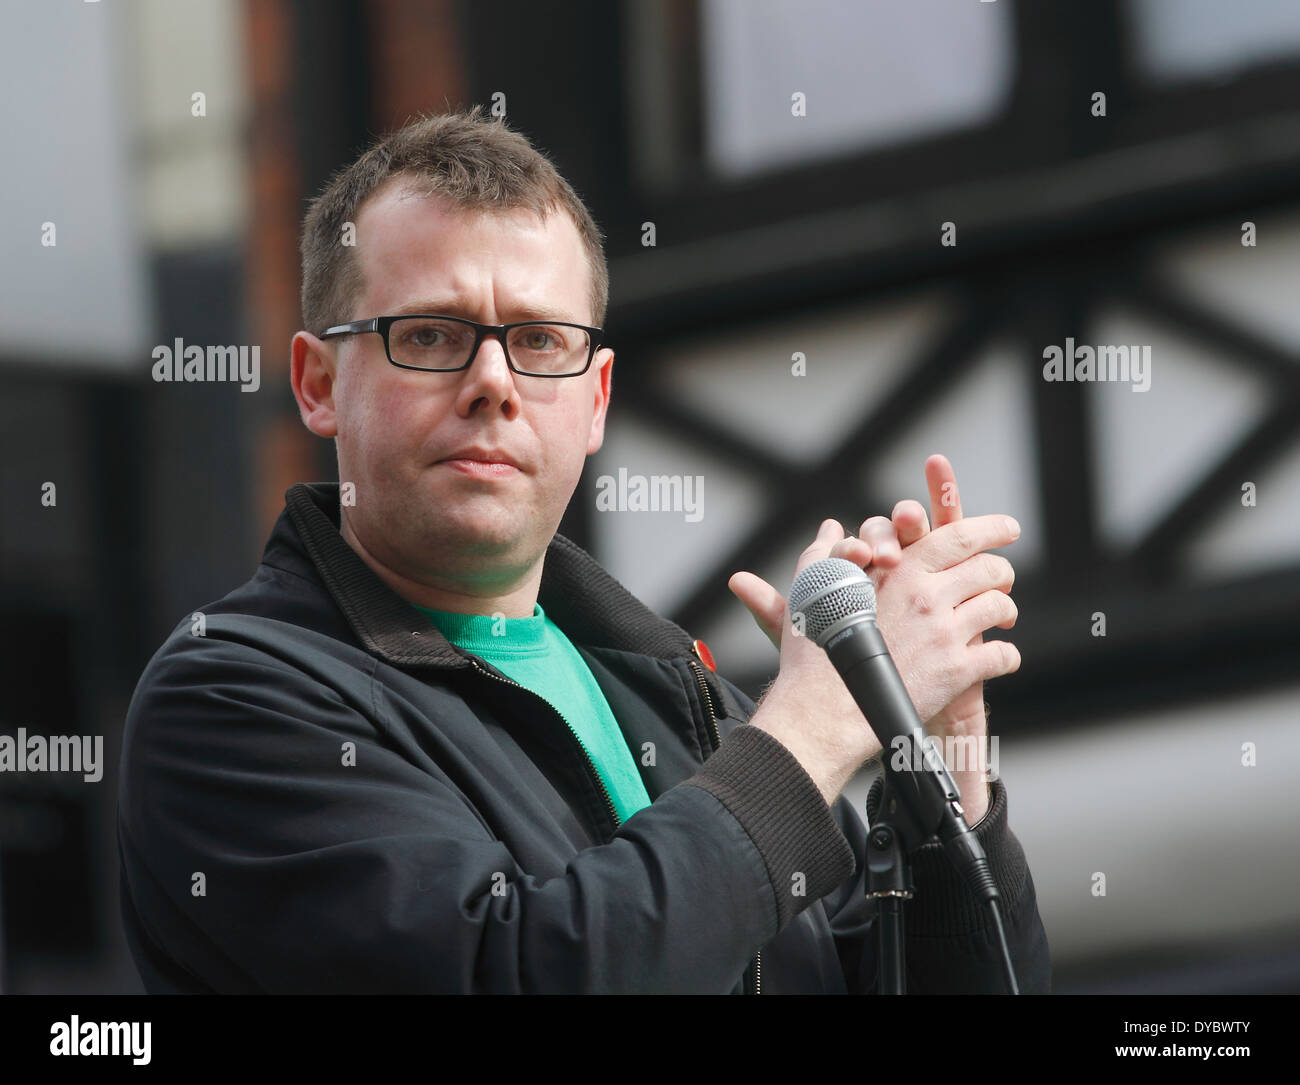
<point x="944" y="906"/>
<point x="765" y="788"/>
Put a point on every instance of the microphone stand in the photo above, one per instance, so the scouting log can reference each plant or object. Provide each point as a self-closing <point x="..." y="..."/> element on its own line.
<point x="892" y="836"/>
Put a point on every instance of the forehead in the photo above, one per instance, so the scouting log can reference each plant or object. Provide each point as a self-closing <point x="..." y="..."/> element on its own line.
<point x="413" y="248"/>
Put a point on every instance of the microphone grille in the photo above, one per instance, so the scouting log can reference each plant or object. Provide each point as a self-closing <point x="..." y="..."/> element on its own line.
<point x="828" y="591"/>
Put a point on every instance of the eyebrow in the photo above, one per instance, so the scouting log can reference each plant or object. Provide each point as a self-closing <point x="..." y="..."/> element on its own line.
<point x="451" y="307"/>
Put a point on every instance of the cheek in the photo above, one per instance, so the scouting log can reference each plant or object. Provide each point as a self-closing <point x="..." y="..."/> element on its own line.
<point x="382" y="415"/>
<point x="570" y="455"/>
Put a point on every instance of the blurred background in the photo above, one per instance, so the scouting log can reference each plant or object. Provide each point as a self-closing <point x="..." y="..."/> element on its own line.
<point x="802" y="332"/>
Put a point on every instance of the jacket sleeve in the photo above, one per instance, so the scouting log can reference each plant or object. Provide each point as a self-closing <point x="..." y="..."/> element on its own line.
<point x="950" y="945"/>
<point x="261" y="853"/>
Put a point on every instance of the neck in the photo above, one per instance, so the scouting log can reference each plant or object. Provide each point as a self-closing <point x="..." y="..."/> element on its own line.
<point x="514" y="601"/>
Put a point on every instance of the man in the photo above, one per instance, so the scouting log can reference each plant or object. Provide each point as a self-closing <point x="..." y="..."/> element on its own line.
<point x="432" y="746"/>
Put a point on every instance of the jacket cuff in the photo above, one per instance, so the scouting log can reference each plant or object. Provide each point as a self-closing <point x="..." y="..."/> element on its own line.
<point x="944" y="906"/>
<point x="764" y="787"/>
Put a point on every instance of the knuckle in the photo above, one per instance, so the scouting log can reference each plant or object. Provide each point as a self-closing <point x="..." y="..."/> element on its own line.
<point x="962" y="535"/>
<point x="962" y="673"/>
<point x="948" y="674"/>
<point x="876" y="525"/>
<point x="991" y="660"/>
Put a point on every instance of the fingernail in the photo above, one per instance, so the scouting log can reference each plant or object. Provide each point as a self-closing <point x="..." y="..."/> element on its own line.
<point x="1013" y="527"/>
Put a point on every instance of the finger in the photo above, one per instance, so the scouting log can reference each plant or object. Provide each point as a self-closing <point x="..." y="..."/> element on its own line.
<point x="828" y="535"/>
<point x="945" y="546"/>
<point x="978" y="573"/>
<point x="879" y="533"/>
<point x="765" y="603"/>
<point x="910" y="521"/>
<point x="989" y="610"/>
<point x="994" y="658"/>
<point x="853" y="549"/>
<point x="945" y="501"/>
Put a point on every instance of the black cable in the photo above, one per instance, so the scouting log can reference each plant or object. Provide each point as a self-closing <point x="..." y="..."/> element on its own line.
<point x="1006" y="952"/>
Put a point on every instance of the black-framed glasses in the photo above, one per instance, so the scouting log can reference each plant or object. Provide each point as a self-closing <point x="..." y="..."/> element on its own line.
<point x="445" y="344"/>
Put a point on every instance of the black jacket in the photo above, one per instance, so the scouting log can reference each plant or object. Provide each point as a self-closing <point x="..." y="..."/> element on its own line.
<point x="319" y="793"/>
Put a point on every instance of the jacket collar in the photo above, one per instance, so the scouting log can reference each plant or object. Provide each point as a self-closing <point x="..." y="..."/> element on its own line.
<point x="592" y="607"/>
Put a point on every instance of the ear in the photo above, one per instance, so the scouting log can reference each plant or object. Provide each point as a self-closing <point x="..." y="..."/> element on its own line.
<point x="604" y="365"/>
<point x="313" y="373"/>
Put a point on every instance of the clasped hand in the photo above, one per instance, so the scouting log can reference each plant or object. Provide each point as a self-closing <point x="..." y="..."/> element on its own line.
<point x="937" y="591"/>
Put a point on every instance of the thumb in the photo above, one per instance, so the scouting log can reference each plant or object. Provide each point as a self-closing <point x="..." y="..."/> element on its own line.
<point x="765" y="603"/>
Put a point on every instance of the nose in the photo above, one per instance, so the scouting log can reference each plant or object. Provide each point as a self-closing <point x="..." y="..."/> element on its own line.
<point x="488" y="384"/>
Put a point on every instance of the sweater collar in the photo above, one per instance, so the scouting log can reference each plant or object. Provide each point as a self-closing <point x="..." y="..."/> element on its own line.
<point x="593" y="608"/>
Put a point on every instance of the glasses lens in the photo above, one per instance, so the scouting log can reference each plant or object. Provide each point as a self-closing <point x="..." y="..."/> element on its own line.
<point x="549" y="350"/>
<point x="430" y="343"/>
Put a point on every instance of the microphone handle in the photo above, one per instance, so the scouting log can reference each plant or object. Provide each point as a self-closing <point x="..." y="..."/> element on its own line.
<point x="862" y="659"/>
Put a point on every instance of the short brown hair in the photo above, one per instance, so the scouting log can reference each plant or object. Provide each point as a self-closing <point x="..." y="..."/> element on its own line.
<point x="475" y="163"/>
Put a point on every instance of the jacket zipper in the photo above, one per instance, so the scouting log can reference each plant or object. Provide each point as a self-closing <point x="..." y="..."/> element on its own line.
<point x="604" y="792"/>
<point x="707" y="698"/>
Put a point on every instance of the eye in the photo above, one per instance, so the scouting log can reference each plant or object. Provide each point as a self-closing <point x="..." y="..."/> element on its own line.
<point x="419" y="334"/>
<point x="539" y="339"/>
<point x="425" y="335"/>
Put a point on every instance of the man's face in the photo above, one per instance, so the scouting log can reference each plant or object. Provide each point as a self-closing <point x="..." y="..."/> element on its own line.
<point x="421" y="509"/>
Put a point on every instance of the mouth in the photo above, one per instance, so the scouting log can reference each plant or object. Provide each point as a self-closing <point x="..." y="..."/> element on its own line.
<point x="481" y="462"/>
